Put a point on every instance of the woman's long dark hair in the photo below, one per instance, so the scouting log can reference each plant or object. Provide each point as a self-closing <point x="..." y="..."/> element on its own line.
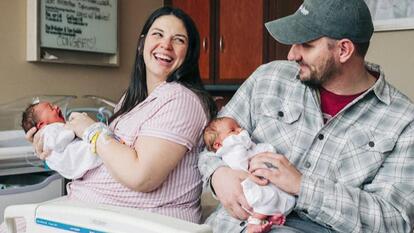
<point x="188" y="74"/>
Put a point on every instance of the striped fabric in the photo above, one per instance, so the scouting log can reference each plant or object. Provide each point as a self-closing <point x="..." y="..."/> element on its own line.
<point x="358" y="168"/>
<point x="171" y="112"/>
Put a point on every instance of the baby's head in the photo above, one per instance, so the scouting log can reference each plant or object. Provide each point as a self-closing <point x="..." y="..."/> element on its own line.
<point x="217" y="130"/>
<point x="40" y="114"/>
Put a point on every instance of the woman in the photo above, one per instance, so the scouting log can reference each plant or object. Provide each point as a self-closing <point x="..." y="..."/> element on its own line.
<point x="151" y="164"/>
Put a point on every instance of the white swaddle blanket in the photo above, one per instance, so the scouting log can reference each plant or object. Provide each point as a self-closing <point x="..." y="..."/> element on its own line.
<point x="70" y="156"/>
<point x="269" y="200"/>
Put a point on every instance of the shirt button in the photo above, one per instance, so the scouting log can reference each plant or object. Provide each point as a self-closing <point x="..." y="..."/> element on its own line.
<point x="320" y="136"/>
<point x="371" y="144"/>
<point x="242" y="223"/>
<point x="280" y="113"/>
<point x="308" y="164"/>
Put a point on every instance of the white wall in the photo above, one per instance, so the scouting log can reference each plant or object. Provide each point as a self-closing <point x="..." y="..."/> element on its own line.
<point x="20" y="78"/>
<point x="394" y="51"/>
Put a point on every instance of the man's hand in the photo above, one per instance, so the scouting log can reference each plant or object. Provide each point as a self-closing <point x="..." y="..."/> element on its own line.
<point x="278" y="170"/>
<point x="226" y="184"/>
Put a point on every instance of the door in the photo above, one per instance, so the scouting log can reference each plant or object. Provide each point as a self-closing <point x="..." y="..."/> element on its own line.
<point x="199" y="10"/>
<point x="240" y="42"/>
<point x="276" y="9"/>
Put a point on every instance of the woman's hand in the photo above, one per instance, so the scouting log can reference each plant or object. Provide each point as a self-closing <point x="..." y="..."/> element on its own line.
<point x="35" y="136"/>
<point x="78" y="122"/>
<point x="29" y="135"/>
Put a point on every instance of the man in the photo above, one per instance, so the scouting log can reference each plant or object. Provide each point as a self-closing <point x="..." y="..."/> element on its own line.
<point x="344" y="136"/>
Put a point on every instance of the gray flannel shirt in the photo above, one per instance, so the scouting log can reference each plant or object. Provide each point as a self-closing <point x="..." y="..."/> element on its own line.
<point x="358" y="168"/>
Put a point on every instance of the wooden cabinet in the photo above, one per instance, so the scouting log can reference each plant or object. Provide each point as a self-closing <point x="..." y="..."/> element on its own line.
<point x="240" y="39"/>
<point x="234" y="41"/>
<point x="200" y="11"/>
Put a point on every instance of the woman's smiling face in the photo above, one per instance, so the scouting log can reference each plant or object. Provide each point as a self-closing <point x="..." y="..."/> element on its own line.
<point x="165" y="47"/>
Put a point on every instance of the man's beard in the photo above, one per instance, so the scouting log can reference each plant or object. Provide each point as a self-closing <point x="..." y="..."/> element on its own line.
<point x="312" y="83"/>
<point x="316" y="80"/>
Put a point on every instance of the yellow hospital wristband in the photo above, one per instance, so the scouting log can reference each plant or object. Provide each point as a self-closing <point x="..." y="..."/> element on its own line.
<point x="93" y="142"/>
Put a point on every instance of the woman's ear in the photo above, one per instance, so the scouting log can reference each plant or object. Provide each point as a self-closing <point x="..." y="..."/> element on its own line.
<point x="141" y="41"/>
<point x="346" y="50"/>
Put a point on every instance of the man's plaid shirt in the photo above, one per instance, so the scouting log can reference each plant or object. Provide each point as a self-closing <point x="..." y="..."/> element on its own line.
<point x="358" y="168"/>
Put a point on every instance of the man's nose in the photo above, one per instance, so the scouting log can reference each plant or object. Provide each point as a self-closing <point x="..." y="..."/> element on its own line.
<point x="293" y="54"/>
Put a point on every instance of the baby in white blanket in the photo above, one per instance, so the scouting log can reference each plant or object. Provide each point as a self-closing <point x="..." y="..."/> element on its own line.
<point x="228" y="140"/>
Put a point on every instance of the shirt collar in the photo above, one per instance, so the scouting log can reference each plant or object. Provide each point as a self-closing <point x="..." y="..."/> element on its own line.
<point x="155" y="93"/>
<point x="380" y="88"/>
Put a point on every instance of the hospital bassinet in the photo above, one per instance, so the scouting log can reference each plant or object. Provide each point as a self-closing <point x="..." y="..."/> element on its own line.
<point x="23" y="177"/>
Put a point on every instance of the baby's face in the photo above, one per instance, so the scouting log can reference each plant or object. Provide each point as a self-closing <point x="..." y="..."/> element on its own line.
<point x="47" y="113"/>
<point x="227" y="127"/>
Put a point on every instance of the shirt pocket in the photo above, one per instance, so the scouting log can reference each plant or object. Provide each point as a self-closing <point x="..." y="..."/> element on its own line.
<point x="282" y="111"/>
<point x="277" y="123"/>
<point x="363" y="154"/>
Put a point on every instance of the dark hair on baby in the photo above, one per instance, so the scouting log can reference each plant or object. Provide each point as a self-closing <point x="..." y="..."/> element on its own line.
<point x="28" y="118"/>
<point x="210" y="133"/>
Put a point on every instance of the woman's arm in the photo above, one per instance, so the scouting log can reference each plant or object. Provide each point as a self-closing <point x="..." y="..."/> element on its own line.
<point x="144" y="167"/>
<point x="161" y="142"/>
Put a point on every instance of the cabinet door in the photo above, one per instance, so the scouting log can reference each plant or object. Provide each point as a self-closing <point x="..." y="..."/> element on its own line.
<point x="276" y="9"/>
<point x="240" y="45"/>
<point x="199" y="10"/>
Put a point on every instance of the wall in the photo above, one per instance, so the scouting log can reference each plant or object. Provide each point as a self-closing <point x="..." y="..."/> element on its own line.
<point x="394" y="52"/>
<point x="20" y="78"/>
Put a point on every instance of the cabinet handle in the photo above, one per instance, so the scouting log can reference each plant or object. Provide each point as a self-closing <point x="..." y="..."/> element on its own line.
<point x="205" y="44"/>
<point x="221" y="44"/>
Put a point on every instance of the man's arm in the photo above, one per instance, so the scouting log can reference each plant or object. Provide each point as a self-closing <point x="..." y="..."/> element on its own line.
<point x="208" y="162"/>
<point x="384" y="205"/>
<point x="225" y="181"/>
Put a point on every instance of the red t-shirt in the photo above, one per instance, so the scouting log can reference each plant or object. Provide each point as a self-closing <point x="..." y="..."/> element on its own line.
<point x="332" y="103"/>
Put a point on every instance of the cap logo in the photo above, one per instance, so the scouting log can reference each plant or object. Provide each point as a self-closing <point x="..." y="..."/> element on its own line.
<point x="303" y="10"/>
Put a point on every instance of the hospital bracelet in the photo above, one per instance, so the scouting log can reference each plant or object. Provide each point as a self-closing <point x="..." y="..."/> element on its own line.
<point x="93" y="142"/>
<point x="93" y="132"/>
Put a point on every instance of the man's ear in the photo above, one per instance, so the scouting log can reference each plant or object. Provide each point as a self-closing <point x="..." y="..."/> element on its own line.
<point x="346" y="50"/>
<point x="40" y="124"/>
<point x="216" y="145"/>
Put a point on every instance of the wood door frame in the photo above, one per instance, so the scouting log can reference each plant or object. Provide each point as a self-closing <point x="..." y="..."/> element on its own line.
<point x="274" y="9"/>
<point x="272" y="50"/>
<point x="212" y="41"/>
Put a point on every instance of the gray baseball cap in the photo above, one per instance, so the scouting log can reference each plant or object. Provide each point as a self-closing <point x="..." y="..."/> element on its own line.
<point x="336" y="19"/>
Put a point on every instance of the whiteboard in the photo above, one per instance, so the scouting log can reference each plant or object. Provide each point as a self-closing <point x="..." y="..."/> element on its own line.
<point x="81" y="25"/>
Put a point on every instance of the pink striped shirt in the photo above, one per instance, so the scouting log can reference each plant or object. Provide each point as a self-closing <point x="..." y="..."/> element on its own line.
<point x="170" y="112"/>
